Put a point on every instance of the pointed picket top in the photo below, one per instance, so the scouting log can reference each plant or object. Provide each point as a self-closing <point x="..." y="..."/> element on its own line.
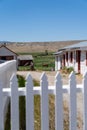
<point x="44" y="102"/>
<point x="58" y="76"/>
<point x="58" y="102"/>
<point x="13" y="78"/>
<point x="43" y="77"/>
<point x="29" y="79"/>
<point x="84" y="81"/>
<point x="72" y="101"/>
<point x="29" y="102"/>
<point x="44" y="81"/>
<point x="72" y="82"/>
<point x="58" y="81"/>
<point x="72" y="75"/>
<point x="85" y="75"/>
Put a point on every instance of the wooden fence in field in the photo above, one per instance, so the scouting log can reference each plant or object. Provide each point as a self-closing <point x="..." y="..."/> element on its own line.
<point x="44" y="90"/>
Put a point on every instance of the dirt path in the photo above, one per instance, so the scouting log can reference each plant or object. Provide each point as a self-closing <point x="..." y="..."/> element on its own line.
<point x="36" y="75"/>
<point x="50" y="75"/>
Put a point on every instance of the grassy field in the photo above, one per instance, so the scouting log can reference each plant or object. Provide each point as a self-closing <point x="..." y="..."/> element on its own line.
<point x="44" y="61"/>
<point x="23" y="47"/>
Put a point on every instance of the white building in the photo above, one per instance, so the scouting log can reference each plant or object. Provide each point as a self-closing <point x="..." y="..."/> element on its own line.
<point x="72" y="56"/>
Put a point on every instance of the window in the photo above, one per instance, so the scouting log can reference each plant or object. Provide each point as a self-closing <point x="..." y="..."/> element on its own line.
<point x="3" y="58"/>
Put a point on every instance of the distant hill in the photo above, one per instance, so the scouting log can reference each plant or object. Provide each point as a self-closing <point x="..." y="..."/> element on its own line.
<point x="27" y="47"/>
<point x="2" y="42"/>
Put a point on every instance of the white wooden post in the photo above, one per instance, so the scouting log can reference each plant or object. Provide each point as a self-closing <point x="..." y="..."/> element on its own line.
<point x="29" y="103"/>
<point x="44" y="103"/>
<point x="58" y="103"/>
<point x="56" y="63"/>
<point x="72" y="93"/>
<point x="85" y="101"/>
<point x="1" y="108"/>
<point x="14" y="103"/>
<point x="59" y="63"/>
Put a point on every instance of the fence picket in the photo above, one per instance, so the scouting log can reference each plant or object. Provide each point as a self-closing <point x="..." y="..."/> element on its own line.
<point x="44" y="91"/>
<point x="1" y="108"/>
<point x="85" y="102"/>
<point x="44" y="103"/>
<point x="58" y="103"/>
<point x="72" y="107"/>
<point x="29" y="103"/>
<point x="14" y="103"/>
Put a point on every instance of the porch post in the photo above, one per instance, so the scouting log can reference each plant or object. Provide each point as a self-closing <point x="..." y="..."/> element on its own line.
<point x="59" y="63"/>
<point x="56" y="63"/>
<point x="74" y="59"/>
<point x="66" y="57"/>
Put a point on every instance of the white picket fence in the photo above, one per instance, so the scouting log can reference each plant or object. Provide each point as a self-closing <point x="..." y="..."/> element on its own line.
<point x="44" y="90"/>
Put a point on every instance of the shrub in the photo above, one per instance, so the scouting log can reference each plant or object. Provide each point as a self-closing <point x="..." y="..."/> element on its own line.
<point x="21" y="81"/>
<point x="67" y="70"/>
<point x="70" y="69"/>
<point x="64" y="70"/>
<point x="46" y="52"/>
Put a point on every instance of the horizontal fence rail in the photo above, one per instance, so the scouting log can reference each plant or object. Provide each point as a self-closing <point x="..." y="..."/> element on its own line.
<point x="37" y="90"/>
<point x="44" y="90"/>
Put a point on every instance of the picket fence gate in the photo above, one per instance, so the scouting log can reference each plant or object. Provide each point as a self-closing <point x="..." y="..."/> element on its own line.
<point x="44" y="90"/>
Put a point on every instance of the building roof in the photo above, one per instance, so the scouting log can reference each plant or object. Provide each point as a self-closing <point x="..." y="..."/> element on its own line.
<point x="76" y="46"/>
<point x="25" y="57"/>
<point x="57" y="53"/>
<point x="2" y="52"/>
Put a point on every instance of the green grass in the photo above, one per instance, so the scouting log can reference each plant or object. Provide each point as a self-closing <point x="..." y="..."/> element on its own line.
<point x="23" y="68"/>
<point x="41" y="58"/>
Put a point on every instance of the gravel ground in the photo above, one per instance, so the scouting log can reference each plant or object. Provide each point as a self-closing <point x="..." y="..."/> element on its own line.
<point x="36" y="75"/>
<point x="50" y="75"/>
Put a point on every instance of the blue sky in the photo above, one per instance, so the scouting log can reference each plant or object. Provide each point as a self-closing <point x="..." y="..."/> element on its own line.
<point x="43" y="20"/>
